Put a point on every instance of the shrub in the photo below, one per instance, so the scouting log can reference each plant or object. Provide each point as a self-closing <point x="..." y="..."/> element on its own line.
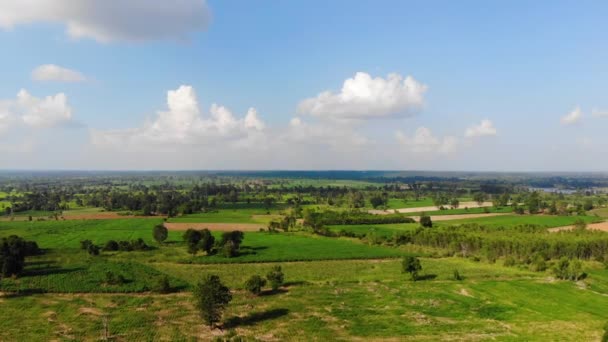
<point x="93" y="250"/>
<point x="457" y="275"/>
<point x="84" y="244"/>
<point x="160" y="233"/>
<point x="211" y="298"/>
<point x="162" y="285"/>
<point x="111" y="245"/>
<point x="255" y="284"/>
<point x="509" y="261"/>
<point x="425" y="221"/>
<point x="275" y="277"/>
<point x="411" y="265"/>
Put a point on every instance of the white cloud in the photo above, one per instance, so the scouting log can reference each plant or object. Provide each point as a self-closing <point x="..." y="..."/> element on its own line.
<point x="183" y="124"/>
<point x="573" y="117"/>
<point x="424" y="141"/>
<point x="111" y="20"/>
<point x="52" y="72"/>
<point x="484" y="128"/>
<point x="597" y="113"/>
<point x="32" y="111"/>
<point x="364" y="97"/>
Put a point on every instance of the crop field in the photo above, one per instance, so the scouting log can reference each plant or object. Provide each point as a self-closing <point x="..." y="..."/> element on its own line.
<point x="102" y="271"/>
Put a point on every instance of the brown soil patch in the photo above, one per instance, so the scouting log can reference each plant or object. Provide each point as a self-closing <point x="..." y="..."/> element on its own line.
<point x="602" y="226"/>
<point x="223" y="227"/>
<point x="462" y="216"/>
<point x="433" y="208"/>
<point x="90" y="311"/>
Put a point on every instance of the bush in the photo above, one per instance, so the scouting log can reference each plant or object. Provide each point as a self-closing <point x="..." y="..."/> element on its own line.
<point x="160" y="233"/>
<point x="411" y="265"/>
<point x="211" y="298"/>
<point x="255" y="284"/>
<point x="275" y="277"/>
<point x="111" y="245"/>
<point x="425" y="221"/>
<point x="510" y="261"/>
<point x="93" y="250"/>
<point x="457" y="275"/>
<point x="162" y="285"/>
<point x="84" y="244"/>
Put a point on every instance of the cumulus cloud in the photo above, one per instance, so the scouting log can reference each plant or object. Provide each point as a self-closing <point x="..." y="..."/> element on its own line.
<point x="484" y="128"/>
<point x="183" y="124"/>
<point x="111" y="20"/>
<point x="364" y="97"/>
<point x="423" y="141"/>
<point x="573" y="117"/>
<point x="35" y="112"/>
<point x="52" y="72"/>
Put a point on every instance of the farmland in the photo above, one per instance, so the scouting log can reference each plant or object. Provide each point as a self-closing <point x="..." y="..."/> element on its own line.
<point x="481" y="278"/>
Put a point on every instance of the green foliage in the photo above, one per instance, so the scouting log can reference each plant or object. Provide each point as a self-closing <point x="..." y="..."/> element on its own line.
<point x="255" y="284"/>
<point x="162" y="285"/>
<point x="569" y="269"/>
<point x="112" y="278"/>
<point x="93" y="250"/>
<point x="457" y="275"/>
<point x="160" y="233"/>
<point x="13" y="250"/>
<point x="275" y="277"/>
<point x="411" y="265"/>
<point x="211" y="298"/>
<point x="425" y="221"/>
<point x="230" y="243"/>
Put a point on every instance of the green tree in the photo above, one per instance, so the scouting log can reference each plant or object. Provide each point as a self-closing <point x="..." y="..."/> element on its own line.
<point x="425" y="221"/>
<point x="207" y="241"/>
<point x="479" y="197"/>
<point x="412" y="266"/>
<point x="255" y="284"/>
<point x="211" y="298"/>
<point x="275" y="277"/>
<point x="160" y="233"/>
<point x="231" y="242"/>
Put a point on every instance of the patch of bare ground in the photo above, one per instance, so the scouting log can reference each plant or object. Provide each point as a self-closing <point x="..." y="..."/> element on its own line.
<point x="223" y="227"/>
<point x="433" y="208"/>
<point x="90" y="311"/>
<point x="601" y="226"/>
<point x="465" y="293"/>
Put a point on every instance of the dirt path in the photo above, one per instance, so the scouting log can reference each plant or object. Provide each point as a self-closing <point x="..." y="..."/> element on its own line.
<point x="223" y="227"/>
<point x="603" y="226"/>
<point x="433" y="208"/>
<point x="460" y="216"/>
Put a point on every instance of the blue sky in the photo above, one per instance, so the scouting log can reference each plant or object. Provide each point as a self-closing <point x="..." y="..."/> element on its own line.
<point x="494" y="85"/>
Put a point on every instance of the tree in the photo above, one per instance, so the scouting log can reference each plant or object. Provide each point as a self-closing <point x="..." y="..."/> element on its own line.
<point x="207" y="241"/>
<point x="479" y="197"/>
<point x="13" y="250"/>
<point x="454" y="203"/>
<point x="255" y="284"/>
<point x="160" y="233"/>
<point x="111" y="245"/>
<point x="275" y="277"/>
<point x="425" y="221"/>
<point x="231" y="242"/>
<point x="412" y="266"/>
<point x="84" y="244"/>
<point x="211" y="298"/>
<point x="378" y="200"/>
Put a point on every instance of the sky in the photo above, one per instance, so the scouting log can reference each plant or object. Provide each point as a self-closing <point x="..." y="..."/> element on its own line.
<point x="303" y="85"/>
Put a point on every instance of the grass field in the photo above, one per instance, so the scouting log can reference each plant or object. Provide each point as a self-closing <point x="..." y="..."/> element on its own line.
<point x="335" y="300"/>
<point x="336" y="288"/>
